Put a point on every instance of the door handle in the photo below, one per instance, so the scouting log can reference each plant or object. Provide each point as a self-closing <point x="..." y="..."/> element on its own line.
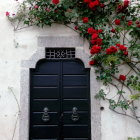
<point x="46" y="116"/>
<point x="75" y="115"/>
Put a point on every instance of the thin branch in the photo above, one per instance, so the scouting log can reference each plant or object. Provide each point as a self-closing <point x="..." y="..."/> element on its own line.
<point x="10" y="88"/>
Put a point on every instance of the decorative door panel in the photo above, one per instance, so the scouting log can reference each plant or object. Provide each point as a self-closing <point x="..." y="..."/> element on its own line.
<point x="60" y="101"/>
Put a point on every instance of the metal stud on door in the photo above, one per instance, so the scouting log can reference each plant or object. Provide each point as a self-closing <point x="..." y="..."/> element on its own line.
<point x="60" y="101"/>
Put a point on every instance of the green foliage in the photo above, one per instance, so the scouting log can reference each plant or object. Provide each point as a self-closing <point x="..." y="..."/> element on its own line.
<point x="134" y="82"/>
<point x="116" y="44"/>
<point x="100" y="95"/>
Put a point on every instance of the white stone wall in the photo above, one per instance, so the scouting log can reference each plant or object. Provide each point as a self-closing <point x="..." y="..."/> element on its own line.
<point x="20" y="45"/>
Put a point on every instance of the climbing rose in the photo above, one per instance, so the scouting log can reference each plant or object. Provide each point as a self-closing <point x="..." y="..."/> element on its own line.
<point x="113" y="30"/>
<point x="55" y="1"/>
<point x="122" y="48"/>
<point x="117" y="22"/>
<point x="100" y="31"/>
<point x="85" y="19"/>
<point x="126" y="3"/>
<point x="138" y="25"/>
<point x="36" y="6"/>
<point x="87" y="1"/>
<point x="125" y="53"/>
<point x="92" y="62"/>
<point x="76" y="27"/>
<point x="102" y="5"/>
<point x="122" y="77"/>
<point x="111" y="49"/>
<point x="93" y="42"/>
<point x="119" y="8"/>
<point x="91" y="30"/>
<point x="137" y="22"/>
<point x="94" y="36"/>
<point x="95" y="49"/>
<point x="99" y="41"/>
<point x="129" y="23"/>
<point x="108" y="51"/>
<point x="7" y="14"/>
<point x="92" y="4"/>
<point x="118" y="45"/>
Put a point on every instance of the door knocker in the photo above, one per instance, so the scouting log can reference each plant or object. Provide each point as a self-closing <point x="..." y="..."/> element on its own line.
<point x="46" y="116"/>
<point x="75" y="115"/>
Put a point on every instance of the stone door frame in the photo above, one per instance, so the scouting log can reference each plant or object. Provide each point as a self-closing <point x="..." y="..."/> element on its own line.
<point x="70" y="42"/>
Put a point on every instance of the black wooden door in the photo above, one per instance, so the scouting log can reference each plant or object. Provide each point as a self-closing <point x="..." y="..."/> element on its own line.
<point x="60" y="101"/>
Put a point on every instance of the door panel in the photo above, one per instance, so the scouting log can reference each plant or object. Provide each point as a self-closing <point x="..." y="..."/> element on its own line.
<point x="75" y="131"/>
<point x="46" y="92"/>
<point x="83" y="118"/>
<point x="74" y="80"/>
<point x="47" y="68"/>
<point x="37" y="118"/>
<point x="60" y="86"/>
<point x="75" y="93"/>
<point x="82" y="105"/>
<point x="48" y="131"/>
<point x="39" y="105"/>
<point x="73" y="67"/>
<point x="45" y="80"/>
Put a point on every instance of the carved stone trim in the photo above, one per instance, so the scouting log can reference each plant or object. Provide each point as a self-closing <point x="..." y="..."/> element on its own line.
<point x="25" y="93"/>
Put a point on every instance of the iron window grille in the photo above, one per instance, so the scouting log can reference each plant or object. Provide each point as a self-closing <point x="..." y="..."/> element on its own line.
<point x="62" y="53"/>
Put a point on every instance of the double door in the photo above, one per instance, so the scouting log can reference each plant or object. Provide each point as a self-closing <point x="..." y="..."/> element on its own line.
<point x="60" y="101"/>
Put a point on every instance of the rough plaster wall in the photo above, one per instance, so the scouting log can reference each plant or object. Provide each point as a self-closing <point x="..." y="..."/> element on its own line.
<point x="17" y="46"/>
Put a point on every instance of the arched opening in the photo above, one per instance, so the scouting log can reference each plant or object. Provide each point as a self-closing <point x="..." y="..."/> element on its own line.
<point x="60" y="100"/>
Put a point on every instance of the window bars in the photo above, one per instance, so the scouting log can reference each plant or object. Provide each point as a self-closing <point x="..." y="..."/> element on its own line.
<point x="61" y="53"/>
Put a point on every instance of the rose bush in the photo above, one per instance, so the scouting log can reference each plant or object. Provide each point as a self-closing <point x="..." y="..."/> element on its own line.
<point x="113" y="30"/>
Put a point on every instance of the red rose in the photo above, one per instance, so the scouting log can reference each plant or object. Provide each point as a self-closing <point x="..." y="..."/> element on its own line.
<point x="91" y="30"/>
<point x="93" y="42"/>
<point x="76" y="27"/>
<point x="125" y="53"/>
<point x="99" y="41"/>
<point x="55" y="1"/>
<point x="92" y="4"/>
<point x="138" y="25"/>
<point x="100" y="31"/>
<point x="92" y="62"/>
<point x="117" y="22"/>
<point x="7" y="14"/>
<point x="47" y="9"/>
<point x="137" y="22"/>
<point x="87" y="1"/>
<point x="113" y="49"/>
<point x="122" y="48"/>
<point x="102" y="5"/>
<point x="119" y="8"/>
<point x="94" y="36"/>
<point x="126" y="3"/>
<point x="95" y="49"/>
<point x="36" y="6"/>
<point x="123" y="17"/>
<point x="122" y="77"/>
<point x="85" y="19"/>
<point x="108" y="51"/>
<point x="113" y="30"/>
<point x="129" y="23"/>
<point x="97" y="2"/>
<point x="118" y="45"/>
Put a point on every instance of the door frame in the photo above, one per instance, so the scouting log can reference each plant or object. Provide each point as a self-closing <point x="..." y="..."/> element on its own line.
<point x="25" y="93"/>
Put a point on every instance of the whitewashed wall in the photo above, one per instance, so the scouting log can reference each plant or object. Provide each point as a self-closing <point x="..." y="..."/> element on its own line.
<point x="17" y="46"/>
